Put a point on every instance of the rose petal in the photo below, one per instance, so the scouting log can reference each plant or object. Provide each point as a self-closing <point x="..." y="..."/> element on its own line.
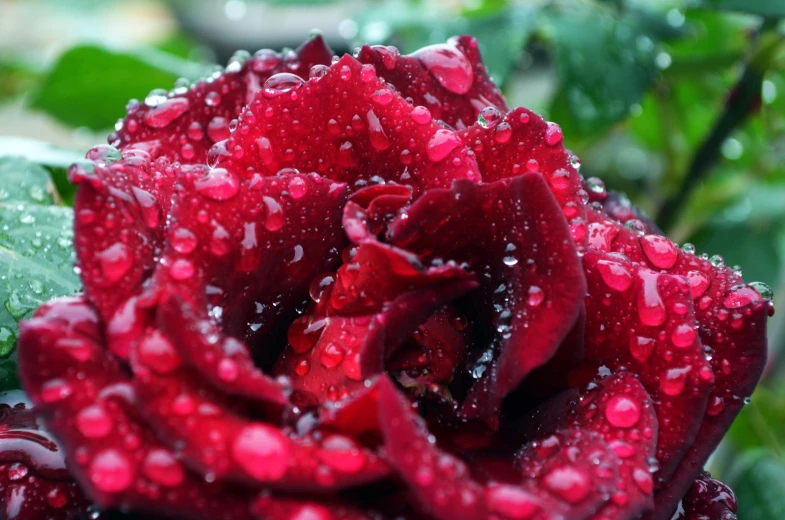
<point x="537" y="290"/>
<point x="89" y="404"/>
<point x="184" y="127"/>
<point x="707" y="499"/>
<point x="376" y="302"/>
<point x="448" y="81"/>
<point x="643" y="321"/>
<point x="120" y="215"/>
<point x="338" y="125"/>
<point x="523" y="142"/>
<point x="731" y="319"/>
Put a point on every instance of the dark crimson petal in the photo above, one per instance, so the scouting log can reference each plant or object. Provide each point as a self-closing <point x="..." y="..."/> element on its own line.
<point x="619" y="409"/>
<point x="707" y="499"/>
<point x="376" y="302"/>
<point x="523" y="142"/>
<point x="447" y="80"/>
<point x="215" y="436"/>
<point x="356" y="414"/>
<point x="244" y="263"/>
<point x="268" y="507"/>
<point x="184" y="125"/>
<point x="88" y="403"/>
<point x="34" y="482"/>
<point x="569" y="474"/>
<point x="643" y="321"/>
<point x="345" y="124"/>
<point x="513" y="233"/>
<point x="120" y="214"/>
<point x="731" y="320"/>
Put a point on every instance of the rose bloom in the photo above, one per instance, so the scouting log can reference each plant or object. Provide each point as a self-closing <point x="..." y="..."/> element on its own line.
<point x="363" y="287"/>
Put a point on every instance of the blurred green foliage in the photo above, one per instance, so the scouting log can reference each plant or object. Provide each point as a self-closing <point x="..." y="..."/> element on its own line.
<point x="655" y="96"/>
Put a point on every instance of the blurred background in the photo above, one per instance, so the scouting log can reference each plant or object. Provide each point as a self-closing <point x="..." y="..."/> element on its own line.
<point x="680" y="104"/>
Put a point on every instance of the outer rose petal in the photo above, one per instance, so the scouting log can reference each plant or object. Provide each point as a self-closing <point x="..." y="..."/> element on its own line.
<point x="707" y="499"/>
<point x="184" y="126"/>
<point x="569" y="474"/>
<point x="34" y="482"/>
<point x="620" y="410"/>
<point x="120" y="213"/>
<point x="88" y="403"/>
<point x="523" y="142"/>
<point x="732" y="322"/>
<point x="449" y="80"/>
<point x="643" y="321"/>
<point x="345" y="124"/>
<point x="513" y="233"/>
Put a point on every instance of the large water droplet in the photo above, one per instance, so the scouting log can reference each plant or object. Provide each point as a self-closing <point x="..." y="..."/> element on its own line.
<point x="568" y="482"/>
<point x="448" y="65"/>
<point x="615" y="275"/>
<point x="94" y="422"/>
<point x="115" y="261"/>
<point x="441" y="144"/>
<point x="651" y="310"/>
<point x="110" y="471"/>
<point x="163" y="114"/>
<point x="660" y="251"/>
<point x="262" y="451"/>
<point x="378" y="138"/>
<point x="161" y="467"/>
<point x="218" y="184"/>
<point x="281" y="83"/>
<point x="622" y="412"/>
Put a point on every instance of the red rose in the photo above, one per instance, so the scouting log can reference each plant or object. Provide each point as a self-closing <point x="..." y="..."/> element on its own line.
<point x="362" y="287"/>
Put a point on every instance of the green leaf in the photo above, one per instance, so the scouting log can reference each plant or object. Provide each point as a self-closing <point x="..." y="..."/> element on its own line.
<point x="57" y="161"/>
<point x="758" y="425"/>
<point x="36" y="252"/>
<point x="89" y="85"/>
<point x="773" y="8"/>
<point x="605" y="65"/>
<point x="758" y="480"/>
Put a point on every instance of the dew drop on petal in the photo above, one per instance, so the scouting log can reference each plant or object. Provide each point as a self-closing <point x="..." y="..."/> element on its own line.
<point x="110" y="471"/>
<point x="161" y="467"/>
<point x="448" y="65"/>
<point x="93" y="422"/>
<point x="218" y="184"/>
<point x="615" y="275"/>
<point x="163" y="114"/>
<point x="115" y="261"/>
<point x="441" y="144"/>
<point x="660" y="251"/>
<point x="568" y="482"/>
<point x="510" y="501"/>
<point x="622" y="412"/>
<point x="262" y="451"/>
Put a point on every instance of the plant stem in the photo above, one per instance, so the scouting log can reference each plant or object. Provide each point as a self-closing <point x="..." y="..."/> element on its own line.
<point x="743" y="100"/>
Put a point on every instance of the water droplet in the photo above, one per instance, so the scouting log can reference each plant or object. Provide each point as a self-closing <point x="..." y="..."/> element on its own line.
<point x="489" y="117"/>
<point x="218" y="129"/>
<point x="651" y="310"/>
<point x="262" y="451"/>
<point x="641" y="348"/>
<point x="376" y="133"/>
<point x="157" y="353"/>
<point x="156" y="97"/>
<point x="643" y="480"/>
<point x="297" y="187"/>
<point x="332" y="355"/>
<point x="553" y="134"/>
<point x="441" y="144"/>
<point x="110" y="471"/>
<point x="536" y="296"/>
<point x="448" y="65"/>
<point x="183" y="240"/>
<point x="94" y="422"/>
<point x="683" y="335"/>
<point x="265" y="60"/>
<point x="717" y="261"/>
<point x="382" y="96"/>
<point x="699" y="283"/>
<point x="740" y="295"/>
<point x="164" y="113"/>
<point x="218" y="184"/>
<point x="115" y="261"/>
<point x="622" y="412"/>
<point x="274" y="218"/>
<point x="672" y="382"/>
<point x="763" y="289"/>
<point x="317" y="72"/>
<point x="503" y="133"/>
<point x="568" y="482"/>
<point x="615" y="275"/>
<point x="595" y="185"/>
<point x="421" y="115"/>
<point x="161" y="467"/>
<point x="660" y="251"/>
<point x="281" y="83"/>
<point x="510" y="501"/>
<point x="342" y="454"/>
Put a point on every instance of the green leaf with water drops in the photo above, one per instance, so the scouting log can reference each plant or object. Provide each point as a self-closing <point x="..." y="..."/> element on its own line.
<point x="605" y="65"/>
<point x="36" y="252"/>
<point x="90" y="85"/>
